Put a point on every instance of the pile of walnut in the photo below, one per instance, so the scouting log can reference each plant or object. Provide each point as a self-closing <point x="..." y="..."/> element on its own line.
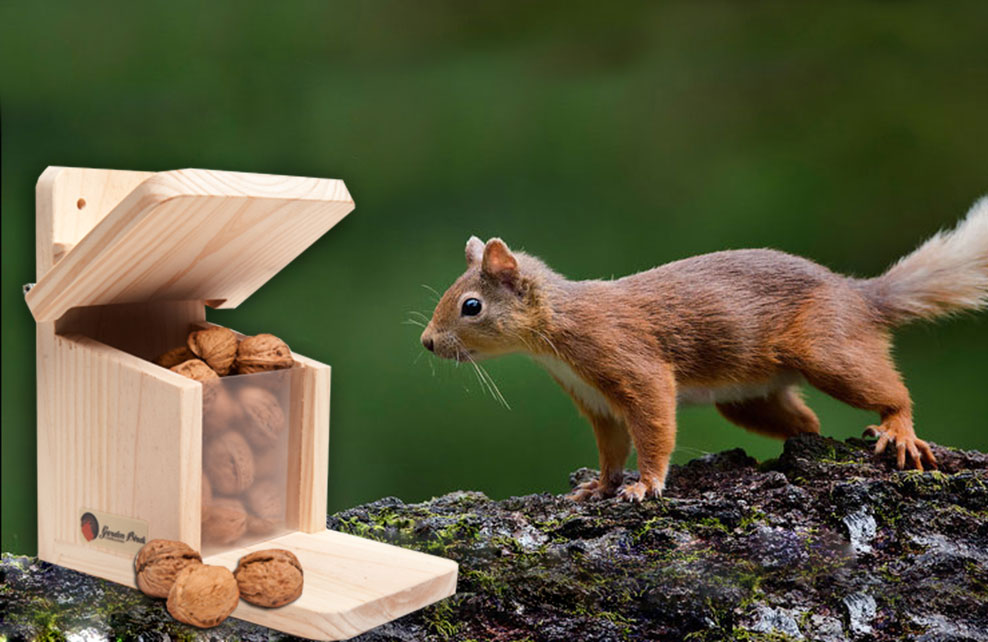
<point x="204" y="595"/>
<point x="244" y="430"/>
<point x="222" y="353"/>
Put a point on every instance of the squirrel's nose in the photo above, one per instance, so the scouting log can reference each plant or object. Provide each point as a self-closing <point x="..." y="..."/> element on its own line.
<point x="428" y="343"/>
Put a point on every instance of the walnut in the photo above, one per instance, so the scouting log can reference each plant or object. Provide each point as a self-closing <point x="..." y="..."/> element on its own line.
<point x="224" y="521"/>
<point x="228" y="461"/>
<point x="195" y="369"/>
<point x="174" y="357"/>
<point x="198" y="370"/>
<point x="216" y="346"/>
<point x="260" y="526"/>
<point x="203" y="595"/>
<point x="262" y="353"/>
<point x="159" y="561"/>
<point x="269" y="578"/>
<point x="220" y="413"/>
<point x="265" y="420"/>
<point x="266" y="500"/>
<point x="266" y="507"/>
<point x="270" y="462"/>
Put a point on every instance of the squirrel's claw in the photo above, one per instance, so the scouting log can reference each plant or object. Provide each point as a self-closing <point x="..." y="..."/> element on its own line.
<point x="917" y="450"/>
<point x="633" y="492"/>
<point x="580" y="495"/>
<point x="638" y="491"/>
<point x="590" y="490"/>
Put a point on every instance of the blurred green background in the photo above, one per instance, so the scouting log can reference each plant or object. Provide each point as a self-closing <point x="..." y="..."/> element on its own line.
<point x="604" y="137"/>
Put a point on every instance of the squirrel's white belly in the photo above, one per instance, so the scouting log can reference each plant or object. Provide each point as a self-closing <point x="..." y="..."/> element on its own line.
<point x="700" y="395"/>
<point x="576" y="385"/>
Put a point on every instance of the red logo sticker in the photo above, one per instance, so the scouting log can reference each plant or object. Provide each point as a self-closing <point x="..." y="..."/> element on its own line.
<point x="90" y="526"/>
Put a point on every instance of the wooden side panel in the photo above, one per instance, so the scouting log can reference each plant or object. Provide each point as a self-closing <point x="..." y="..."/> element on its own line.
<point x="308" y="447"/>
<point x="115" y="434"/>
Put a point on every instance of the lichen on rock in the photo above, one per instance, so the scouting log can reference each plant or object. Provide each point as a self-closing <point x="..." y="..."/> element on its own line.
<point x="826" y="542"/>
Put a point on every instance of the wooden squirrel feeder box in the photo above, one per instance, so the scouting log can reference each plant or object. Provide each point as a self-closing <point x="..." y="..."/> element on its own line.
<point x="126" y="263"/>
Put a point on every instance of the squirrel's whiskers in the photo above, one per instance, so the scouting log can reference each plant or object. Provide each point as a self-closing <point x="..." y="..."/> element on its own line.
<point x="486" y="380"/>
<point x="432" y="291"/>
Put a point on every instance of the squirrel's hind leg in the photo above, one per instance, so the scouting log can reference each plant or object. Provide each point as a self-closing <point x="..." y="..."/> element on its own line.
<point x="782" y="414"/>
<point x="861" y="374"/>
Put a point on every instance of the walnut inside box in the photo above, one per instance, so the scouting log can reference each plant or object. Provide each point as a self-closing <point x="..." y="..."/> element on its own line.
<point x="126" y="263"/>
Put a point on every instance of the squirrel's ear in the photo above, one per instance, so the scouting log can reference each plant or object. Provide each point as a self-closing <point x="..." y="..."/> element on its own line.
<point x="475" y="251"/>
<point x="500" y="262"/>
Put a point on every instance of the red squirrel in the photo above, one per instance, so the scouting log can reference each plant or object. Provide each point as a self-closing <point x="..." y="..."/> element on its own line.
<point x="741" y="329"/>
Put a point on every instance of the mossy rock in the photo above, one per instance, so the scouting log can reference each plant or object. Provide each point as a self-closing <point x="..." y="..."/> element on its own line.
<point x="827" y="542"/>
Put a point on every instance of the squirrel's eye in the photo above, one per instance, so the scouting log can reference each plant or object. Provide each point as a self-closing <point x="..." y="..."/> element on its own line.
<point x="471" y="308"/>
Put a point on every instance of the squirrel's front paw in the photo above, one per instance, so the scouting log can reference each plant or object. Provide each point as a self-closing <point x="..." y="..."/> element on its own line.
<point x="637" y="491"/>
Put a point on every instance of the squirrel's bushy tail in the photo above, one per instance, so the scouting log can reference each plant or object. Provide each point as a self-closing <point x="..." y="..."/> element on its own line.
<point x="946" y="274"/>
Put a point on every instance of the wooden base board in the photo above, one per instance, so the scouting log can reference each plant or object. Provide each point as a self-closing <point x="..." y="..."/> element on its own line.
<point x="352" y="584"/>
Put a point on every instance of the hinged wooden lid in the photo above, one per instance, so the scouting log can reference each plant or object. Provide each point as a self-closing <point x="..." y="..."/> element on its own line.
<point x="189" y="234"/>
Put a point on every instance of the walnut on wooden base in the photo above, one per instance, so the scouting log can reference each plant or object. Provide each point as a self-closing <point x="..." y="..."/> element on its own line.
<point x="269" y="578"/>
<point x="159" y="561"/>
<point x="203" y="595"/>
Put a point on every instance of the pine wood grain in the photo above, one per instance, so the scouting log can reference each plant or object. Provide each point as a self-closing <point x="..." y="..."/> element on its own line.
<point x="308" y="447"/>
<point x="189" y="235"/>
<point x="71" y="201"/>
<point x="351" y="585"/>
<point x="116" y="434"/>
<point x="142" y="329"/>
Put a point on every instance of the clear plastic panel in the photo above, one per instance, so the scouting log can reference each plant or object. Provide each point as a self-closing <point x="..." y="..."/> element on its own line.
<point x="245" y="425"/>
